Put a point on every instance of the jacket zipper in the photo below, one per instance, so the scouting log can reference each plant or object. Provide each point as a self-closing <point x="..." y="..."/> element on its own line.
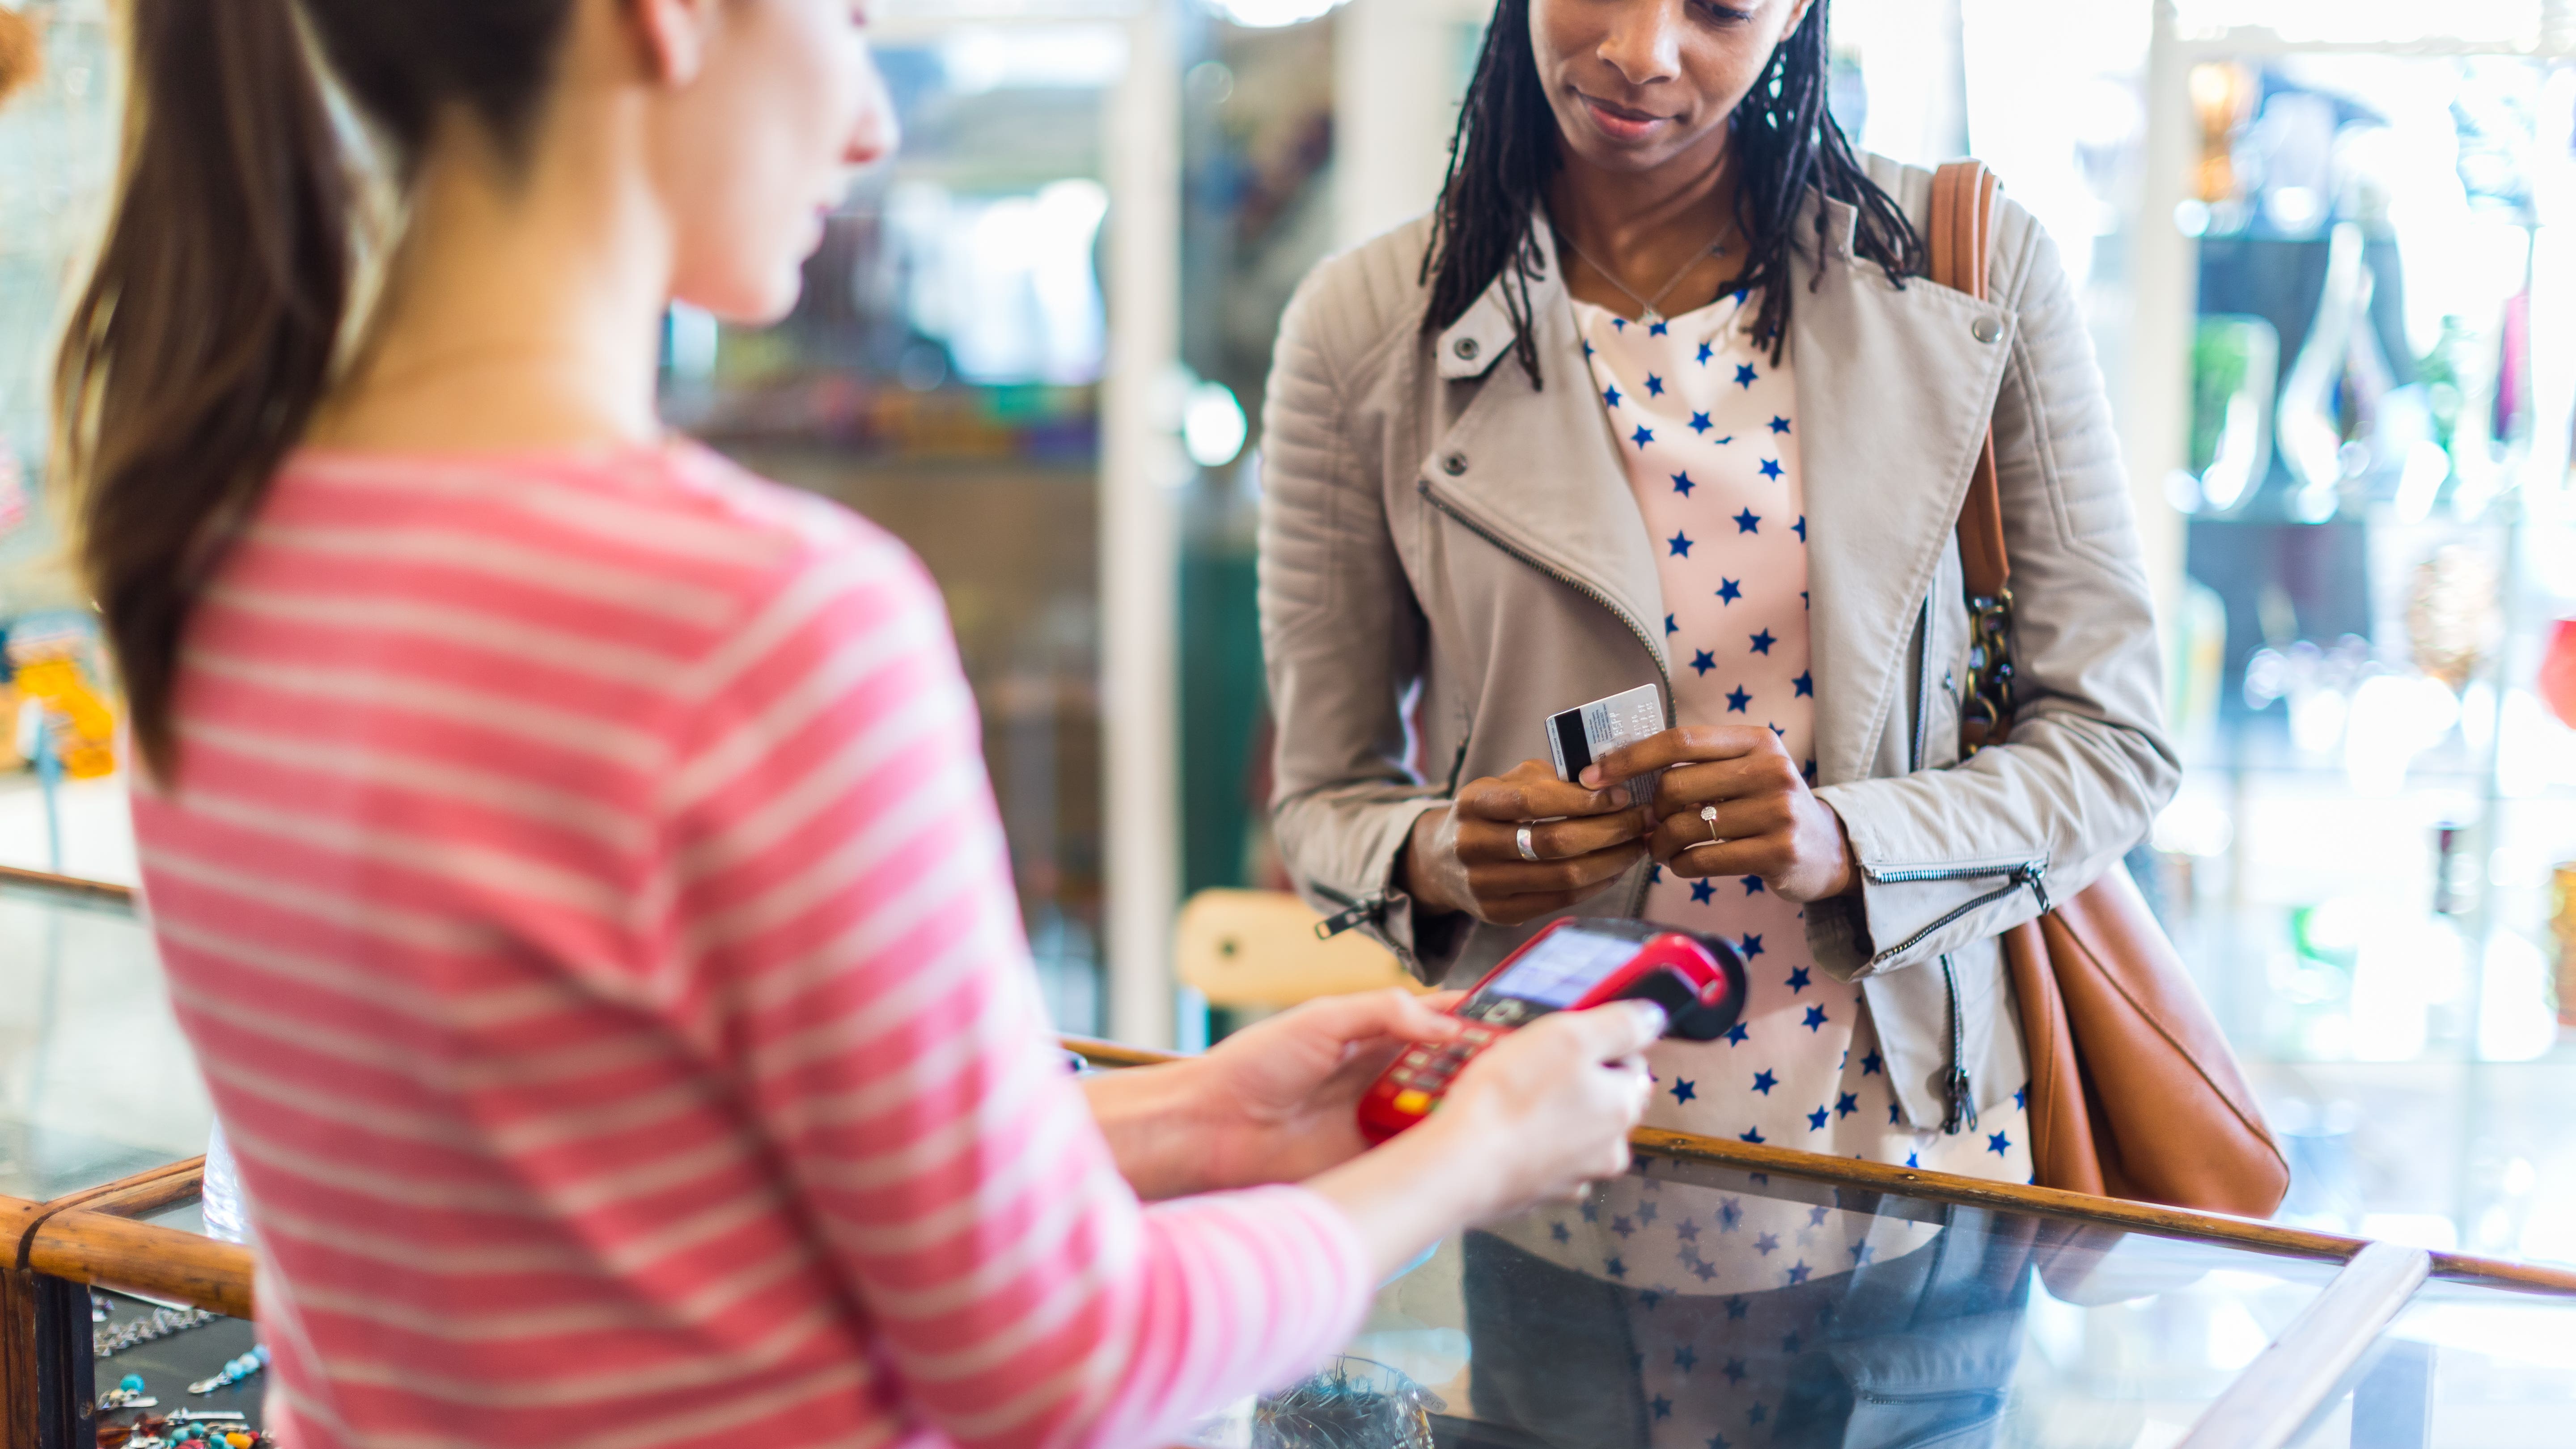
<point x="1958" y="1092"/>
<point x="2028" y="874"/>
<point x="1354" y="911"/>
<point x="1637" y="898"/>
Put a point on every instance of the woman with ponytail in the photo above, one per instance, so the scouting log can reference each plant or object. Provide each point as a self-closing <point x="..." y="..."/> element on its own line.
<point x="1658" y="395"/>
<point x="569" y="854"/>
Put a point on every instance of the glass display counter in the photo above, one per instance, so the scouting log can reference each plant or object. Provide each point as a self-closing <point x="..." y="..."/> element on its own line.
<point x="1718" y="1295"/>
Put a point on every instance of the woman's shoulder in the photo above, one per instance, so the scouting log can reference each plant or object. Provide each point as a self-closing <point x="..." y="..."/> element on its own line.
<point x="1356" y="300"/>
<point x="709" y="539"/>
<point x="2015" y="228"/>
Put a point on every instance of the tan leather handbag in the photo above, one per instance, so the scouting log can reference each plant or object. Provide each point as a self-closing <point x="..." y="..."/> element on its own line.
<point x="2133" y="1091"/>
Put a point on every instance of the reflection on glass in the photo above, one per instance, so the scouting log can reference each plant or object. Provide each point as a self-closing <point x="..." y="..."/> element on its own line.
<point x="2463" y="1367"/>
<point x="1691" y="1307"/>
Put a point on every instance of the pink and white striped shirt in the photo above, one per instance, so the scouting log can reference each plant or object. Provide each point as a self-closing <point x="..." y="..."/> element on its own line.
<point x="589" y="909"/>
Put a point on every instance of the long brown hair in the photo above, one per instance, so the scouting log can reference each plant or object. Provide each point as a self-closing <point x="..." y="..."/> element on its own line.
<point x="214" y="318"/>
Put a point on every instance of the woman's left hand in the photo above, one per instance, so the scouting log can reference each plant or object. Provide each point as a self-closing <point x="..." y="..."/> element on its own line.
<point x="1769" y="824"/>
<point x="1282" y="1095"/>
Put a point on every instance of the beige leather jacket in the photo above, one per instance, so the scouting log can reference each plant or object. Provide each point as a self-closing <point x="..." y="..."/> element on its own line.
<point x="1449" y="553"/>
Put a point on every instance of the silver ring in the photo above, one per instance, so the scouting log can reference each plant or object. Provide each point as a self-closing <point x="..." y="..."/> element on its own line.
<point x="1529" y="852"/>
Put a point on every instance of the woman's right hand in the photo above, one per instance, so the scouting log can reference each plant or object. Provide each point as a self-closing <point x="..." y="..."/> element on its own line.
<point x="1549" y="1106"/>
<point x="1468" y="858"/>
<point x="1535" y="1118"/>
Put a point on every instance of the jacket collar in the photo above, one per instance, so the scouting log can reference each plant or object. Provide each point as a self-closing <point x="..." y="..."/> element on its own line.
<point x="1894" y="394"/>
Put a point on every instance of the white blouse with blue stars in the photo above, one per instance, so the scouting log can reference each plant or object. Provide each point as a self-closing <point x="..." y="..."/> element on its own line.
<point x="1706" y="428"/>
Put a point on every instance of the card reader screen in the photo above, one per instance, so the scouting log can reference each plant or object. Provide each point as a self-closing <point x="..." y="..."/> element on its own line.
<point x="1557" y="972"/>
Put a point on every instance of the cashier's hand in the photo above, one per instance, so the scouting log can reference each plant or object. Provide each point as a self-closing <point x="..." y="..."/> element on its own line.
<point x="1552" y="1103"/>
<point x="1468" y="856"/>
<point x="1769" y="824"/>
<point x="1281" y="1096"/>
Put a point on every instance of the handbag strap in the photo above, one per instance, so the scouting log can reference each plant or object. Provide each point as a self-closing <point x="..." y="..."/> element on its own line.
<point x="1962" y="230"/>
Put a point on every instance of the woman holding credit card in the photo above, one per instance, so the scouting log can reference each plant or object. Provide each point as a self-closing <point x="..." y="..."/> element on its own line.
<point x="1657" y="423"/>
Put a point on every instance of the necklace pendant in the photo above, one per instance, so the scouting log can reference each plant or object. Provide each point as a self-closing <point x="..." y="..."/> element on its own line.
<point x="1652" y="317"/>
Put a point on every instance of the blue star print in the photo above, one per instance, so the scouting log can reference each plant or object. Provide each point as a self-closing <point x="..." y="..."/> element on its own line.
<point x="1798" y="1273"/>
<point x="1680" y="544"/>
<point x="1700" y="424"/>
<point x="1763" y="1082"/>
<point x="1872" y="1065"/>
<point x="1736" y="1034"/>
<point x="1729" y="590"/>
<point x="1703" y="891"/>
<point x="1657" y="328"/>
<point x="2021" y="1096"/>
<point x="1623" y="1227"/>
<point x="1558" y="1232"/>
<point x="1846" y="1103"/>
<point x="1861" y="1254"/>
<point x="1998" y="1144"/>
<point x="1642" y="436"/>
<point x="1662" y="1406"/>
<point x="1682" y="1092"/>
<point x="1735" y="1308"/>
<point x="1685" y="1358"/>
<point x="1750" y="1134"/>
<point x="1737" y="700"/>
<point x="1615" y="1268"/>
<point x="1800" y="529"/>
<point x="1654" y="385"/>
<point x="1763" y="641"/>
<point x="1816" y="1119"/>
<point x="1682" y="483"/>
<point x="1611" y="396"/>
<point x="1744" y="375"/>
<point x="1751" y="947"/>
<point x="1815" y="1018"/>
<point x="1748" y="522"/>
<point x="1779" y="425"/>
<point x="1805" y="683"/>
<point x="1753" y="885"/>
<point x="1767" y="1244"/>
<point x="1770" y="467"/>
<point x="1670" y="627"/>
<point x="1686" y="1230"/>
<point x="1800" y="980"/>
<point x="1703" y="661"/>
<point x="1705" y="353"/>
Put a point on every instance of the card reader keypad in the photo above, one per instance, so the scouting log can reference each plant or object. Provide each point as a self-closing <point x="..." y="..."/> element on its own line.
<point x="1424" y="1072"/>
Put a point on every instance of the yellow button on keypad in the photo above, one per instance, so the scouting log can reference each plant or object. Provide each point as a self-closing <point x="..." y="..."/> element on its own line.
<point x="1412" y="1103"/>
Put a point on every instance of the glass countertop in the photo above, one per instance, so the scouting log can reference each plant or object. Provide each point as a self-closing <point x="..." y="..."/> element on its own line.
<point x="1693" y="1306"/>
<point x="96" y="1082"/>
<point x="2464" y="1366"/>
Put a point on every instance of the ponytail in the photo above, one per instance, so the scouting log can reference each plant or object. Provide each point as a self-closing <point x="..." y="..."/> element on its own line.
<point x="203" y="341"/>
<point x="208" y="332"/>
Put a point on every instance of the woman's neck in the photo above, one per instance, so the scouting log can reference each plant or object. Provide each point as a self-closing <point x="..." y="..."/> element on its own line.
<point x="523" y="311"/>
<point x="1645" y="229"/>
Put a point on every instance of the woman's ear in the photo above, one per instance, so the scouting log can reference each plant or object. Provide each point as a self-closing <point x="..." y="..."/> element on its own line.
<point x="672" y="36"/>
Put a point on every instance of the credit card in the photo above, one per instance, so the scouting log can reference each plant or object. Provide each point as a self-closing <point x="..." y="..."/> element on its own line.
<point x="1579" y="736"/>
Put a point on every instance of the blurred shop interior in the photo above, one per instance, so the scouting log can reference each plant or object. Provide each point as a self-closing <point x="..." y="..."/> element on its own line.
<point x="2328" y="248"/>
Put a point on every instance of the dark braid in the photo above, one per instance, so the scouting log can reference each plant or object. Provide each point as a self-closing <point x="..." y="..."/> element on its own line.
<point x="1505" y="153"/>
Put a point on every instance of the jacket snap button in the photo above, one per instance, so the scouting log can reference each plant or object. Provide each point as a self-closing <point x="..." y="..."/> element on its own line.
<point x="1985" y="329"/>
<point x="1466" y="348"/>
<point x="1455" y="463"/>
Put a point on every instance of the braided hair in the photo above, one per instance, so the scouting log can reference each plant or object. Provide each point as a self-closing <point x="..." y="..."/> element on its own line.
<point x="1504" y="154"/>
